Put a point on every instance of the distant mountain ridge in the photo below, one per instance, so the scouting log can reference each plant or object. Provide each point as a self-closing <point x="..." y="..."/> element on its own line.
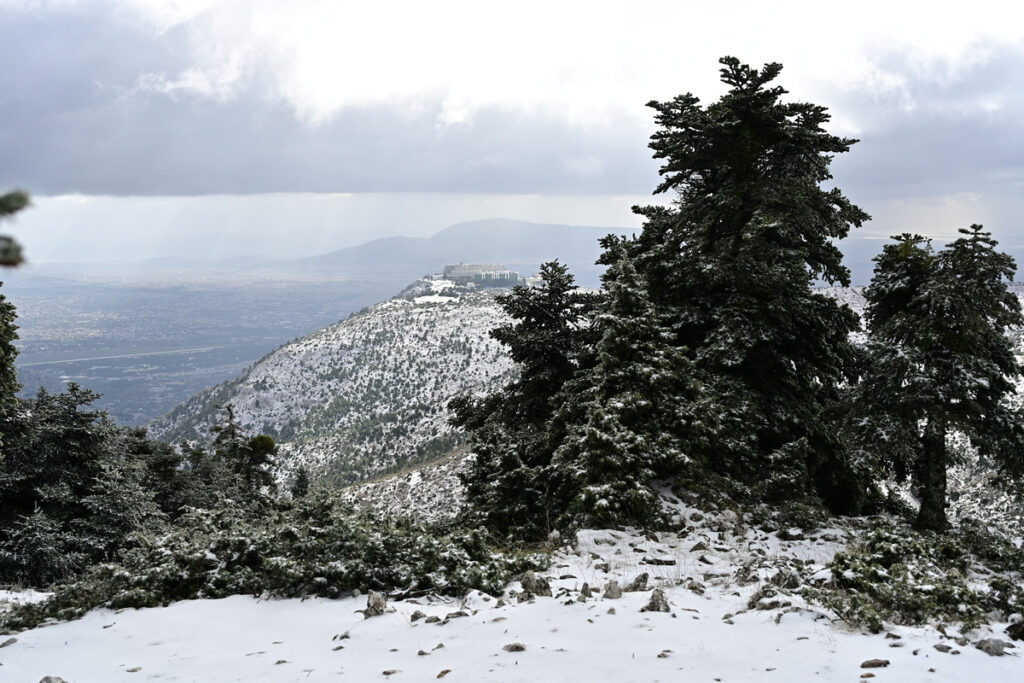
<point x="493" y="240"/>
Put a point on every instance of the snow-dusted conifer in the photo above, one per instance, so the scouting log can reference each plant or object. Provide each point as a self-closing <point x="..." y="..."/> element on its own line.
<point x="732" y="262"/>
<point x="939" y="360"/>
<point x="507" y="482"/>
<point x="637" y="410"/>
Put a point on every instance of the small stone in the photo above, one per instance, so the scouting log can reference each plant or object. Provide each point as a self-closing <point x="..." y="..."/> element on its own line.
<point x="664" y="654"/>
<point x="942" y="647"/>
<point x="992" y="646"/>
<point x="439" y="646"/>
<point x="9" y="641"/>
<point x="637" y="585"/>
<point x="281" y="661"/>
<point x="356" y="592"/>
<point x="657" y="603"/>
<point x="134" y="669"/>
<point x="585" y="591"/>
<point x="514" y="647"/>
<point x="699" y="547"/>
<point x="375" y="605"/>
<point x="421" y="653"/>
<point x="417" y="615"/>
<point x="704" y="559"/>
<point x="892" y="636"/>
<point x="612" y="590"/>
<point x="444" y="672"/>
<point x="896" y="644"/>
<point x="390" y="672"/>
<point x="867" y="675"/>
<point x="696" y="517"/>
<point x="874" y="663"/>
<point x="432" y="619"/>
<point x="611" y="610"/>
<point x="501" y="602"/>
<point x="537" y="585"/>
<point x="456" y="615"/>
<point x="52" y="679"/>
<point x="1015" y="631"/>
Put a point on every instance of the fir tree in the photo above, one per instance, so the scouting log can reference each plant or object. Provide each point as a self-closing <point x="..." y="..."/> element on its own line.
<point x="549" y="338"/>
<point x="640" y="409"/>
<point x="731" y="263"/>
<point x="939" y="360"/>
<point x="250" y="460"/>
<point x="300" y="487"/>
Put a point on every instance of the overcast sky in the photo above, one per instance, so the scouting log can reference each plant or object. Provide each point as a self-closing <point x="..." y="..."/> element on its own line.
<point x="298" y="127"/>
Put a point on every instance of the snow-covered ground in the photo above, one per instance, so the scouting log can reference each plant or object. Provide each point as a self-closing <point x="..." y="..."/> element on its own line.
<point x="722" y="625"/>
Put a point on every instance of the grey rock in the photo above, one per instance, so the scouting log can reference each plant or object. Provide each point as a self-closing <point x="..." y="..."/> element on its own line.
<point x="657" y="603"/>
<point x="585" y="592"/>
<point x="637" y="585"/>
<point x="432" y="619"/>
<point x="612" y="590"/>
<point x="514" y="647"/>
<point x="417" y="615"/>
<point x="942" y="647"/>
<point x="375" y="605"/>
<point x="537" y="585"/>
<point x="52" y="679"/>
<point x="874" y="663"/>
<point x="555" y="539"/>
<point x="9" y="641"/>
<point x="992" y="646"/>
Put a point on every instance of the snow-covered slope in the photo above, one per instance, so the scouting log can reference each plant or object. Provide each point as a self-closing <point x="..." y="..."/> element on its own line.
<point x="366" y="394"/>
<point x="732" y="613"/>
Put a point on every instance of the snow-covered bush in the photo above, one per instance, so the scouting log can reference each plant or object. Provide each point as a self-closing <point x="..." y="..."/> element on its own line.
<point x="318" y="547"/>
<point x="895" y="574"/>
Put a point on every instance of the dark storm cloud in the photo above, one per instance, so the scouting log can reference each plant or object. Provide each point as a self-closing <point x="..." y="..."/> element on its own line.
<point x="73" y="120"/>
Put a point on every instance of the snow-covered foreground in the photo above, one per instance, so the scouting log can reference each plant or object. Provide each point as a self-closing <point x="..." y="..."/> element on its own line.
<point x="720" y="628"/>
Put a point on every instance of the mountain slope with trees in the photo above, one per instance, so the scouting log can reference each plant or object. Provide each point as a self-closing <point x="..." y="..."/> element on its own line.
<point x="365" y="395"/>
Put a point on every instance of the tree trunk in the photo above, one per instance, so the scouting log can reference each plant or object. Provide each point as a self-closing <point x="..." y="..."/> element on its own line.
<point x="932" y="515"/>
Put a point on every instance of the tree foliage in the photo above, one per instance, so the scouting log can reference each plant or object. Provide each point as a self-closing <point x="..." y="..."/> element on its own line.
<point x="549" y="338"/>
<point x="939" y="359"/>
<point x="731" y="265"/>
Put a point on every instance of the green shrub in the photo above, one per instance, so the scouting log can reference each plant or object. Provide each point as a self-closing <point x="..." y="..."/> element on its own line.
<point x="903" y="576"/>
<point x="318" y="547"/>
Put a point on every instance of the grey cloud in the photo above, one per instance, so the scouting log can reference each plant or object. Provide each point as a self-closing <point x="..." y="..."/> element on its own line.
<point x="72" y="121"/>
<point x="945" y="144"/>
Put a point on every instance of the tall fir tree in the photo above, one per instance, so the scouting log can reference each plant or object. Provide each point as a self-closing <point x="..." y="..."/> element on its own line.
<point x="732" y="263"/>
<point x="549" y="338"/>
<point x="939" y="360"/>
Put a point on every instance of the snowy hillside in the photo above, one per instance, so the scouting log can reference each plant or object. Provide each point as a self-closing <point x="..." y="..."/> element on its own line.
<point x="368" y="393"/>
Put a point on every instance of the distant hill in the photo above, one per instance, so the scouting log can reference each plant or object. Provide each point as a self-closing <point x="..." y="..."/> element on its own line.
<point x="516" y="244"/>
<point x="367" y="394"/>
